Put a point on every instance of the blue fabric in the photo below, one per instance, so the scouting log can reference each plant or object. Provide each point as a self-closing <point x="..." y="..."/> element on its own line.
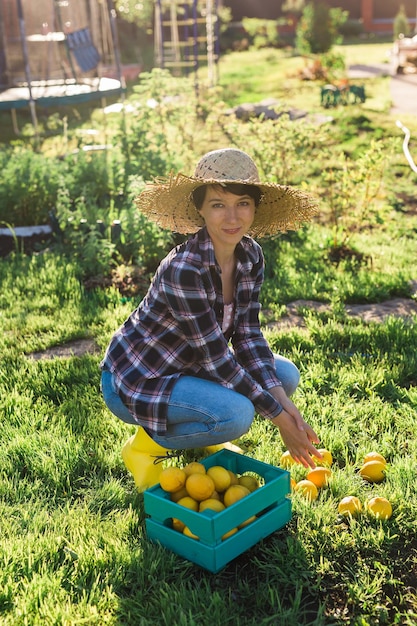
<point x="83" y="49"/>
<point x="202" y="412"/>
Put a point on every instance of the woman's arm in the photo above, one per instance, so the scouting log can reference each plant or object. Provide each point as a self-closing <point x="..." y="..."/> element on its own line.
<point x="297" y="435"/>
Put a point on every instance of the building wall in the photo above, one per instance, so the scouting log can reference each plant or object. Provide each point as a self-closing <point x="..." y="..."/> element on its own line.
<point x="377" y="15"/>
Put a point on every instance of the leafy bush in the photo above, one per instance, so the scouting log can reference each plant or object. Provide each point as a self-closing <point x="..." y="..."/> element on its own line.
<point x="262" y="33"/>
<point x="318" y="29"/>
<point x="29" y="186"/>
<point x="401" y="25"/>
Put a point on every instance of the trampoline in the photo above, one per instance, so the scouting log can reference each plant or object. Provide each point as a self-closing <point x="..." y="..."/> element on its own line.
<point x="57" y="52"/>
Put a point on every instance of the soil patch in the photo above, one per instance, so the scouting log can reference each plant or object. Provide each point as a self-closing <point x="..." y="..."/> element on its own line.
<point x="405" y="308"/>
<point x="78" y="347"/>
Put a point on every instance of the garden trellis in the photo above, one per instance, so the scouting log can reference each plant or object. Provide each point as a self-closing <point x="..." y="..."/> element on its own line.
<point x="56" y="52"/>
<point x="187" y="36"/>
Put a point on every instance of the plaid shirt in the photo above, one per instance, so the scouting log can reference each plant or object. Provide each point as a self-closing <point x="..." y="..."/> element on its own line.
<point x="176" y="330"/>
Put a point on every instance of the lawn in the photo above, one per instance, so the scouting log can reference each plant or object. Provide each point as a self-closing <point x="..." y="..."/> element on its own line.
<point x="73" y="542"/>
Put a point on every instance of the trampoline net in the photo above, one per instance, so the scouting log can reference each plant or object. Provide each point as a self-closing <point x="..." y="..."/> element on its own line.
<point x="65" y="40"/>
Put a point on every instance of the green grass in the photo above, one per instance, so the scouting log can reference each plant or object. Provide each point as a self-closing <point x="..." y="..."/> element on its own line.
<point x="73" y="542"/>
<point x="73" y="545"/>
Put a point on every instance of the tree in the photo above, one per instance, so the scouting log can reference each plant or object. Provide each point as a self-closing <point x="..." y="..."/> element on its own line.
<point x="401" y="26"/>
<point x="318" y="28"/>
<point x="138" y="13"/>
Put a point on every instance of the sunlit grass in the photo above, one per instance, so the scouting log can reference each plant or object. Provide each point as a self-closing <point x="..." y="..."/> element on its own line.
<point x="73" y="545"/>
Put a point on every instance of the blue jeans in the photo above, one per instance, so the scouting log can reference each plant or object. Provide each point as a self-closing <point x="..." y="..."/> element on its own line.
<point x="201" y="412"/>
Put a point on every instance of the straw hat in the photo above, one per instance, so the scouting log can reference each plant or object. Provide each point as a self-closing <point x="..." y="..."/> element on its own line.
<point x="168" y="202"/>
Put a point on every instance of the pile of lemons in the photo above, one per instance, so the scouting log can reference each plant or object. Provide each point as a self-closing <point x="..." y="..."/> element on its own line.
<point x="216" y="488"/>
<point x="373" y="470"/>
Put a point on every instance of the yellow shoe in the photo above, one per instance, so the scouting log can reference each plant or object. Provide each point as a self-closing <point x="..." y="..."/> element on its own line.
<point x="227" y="445"/>
<point x="139" y="454"/>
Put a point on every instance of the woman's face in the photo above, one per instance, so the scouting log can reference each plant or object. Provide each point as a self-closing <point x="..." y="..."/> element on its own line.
<point x="228" y="217"/>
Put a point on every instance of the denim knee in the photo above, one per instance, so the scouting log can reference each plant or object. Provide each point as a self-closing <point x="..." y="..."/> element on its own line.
<point x="288" y="373"/>
<point x="243" y="413"/>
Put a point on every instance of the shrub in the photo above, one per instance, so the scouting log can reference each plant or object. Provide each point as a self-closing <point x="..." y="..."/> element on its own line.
<point x="28" y="186"/>
<point x="318" y="28"/>
<point x="401" y="26"/>
<point x="262" y="33"/>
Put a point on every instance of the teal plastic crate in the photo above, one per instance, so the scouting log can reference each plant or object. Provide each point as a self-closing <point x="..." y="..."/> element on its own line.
<point x="270" y="503"/>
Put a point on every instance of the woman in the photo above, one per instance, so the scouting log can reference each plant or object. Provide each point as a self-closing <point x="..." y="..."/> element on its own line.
<point x="190" y="366"/>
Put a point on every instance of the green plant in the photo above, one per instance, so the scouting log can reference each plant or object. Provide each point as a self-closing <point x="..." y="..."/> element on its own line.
<point x="401" y="26"/>
<point x="163" y="128"/>
<point x="318" y="29"/>
<point x="262" y="33"/>
<point x="29" y="186"/>
<point x="277" y="146"/>
<point x="353" y="193"/>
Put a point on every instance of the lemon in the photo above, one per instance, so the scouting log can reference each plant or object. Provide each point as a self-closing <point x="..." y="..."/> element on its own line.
<point x="249" y="481"/>
<point x="286" y="460"/>
<point x="199" y="486"/>
<point x="307" y="488"/>
<point x="293" y="482"/>
<point x="234" y="480"/>
<point x="320" y="476"/>
<point x="189" y="503"/>
<point x="177" y="495"/>
<point x="177" y="524"/>
<point x="220" y="476"/>
<point x="374" y="456"/>
<point x="248" y="521"/>
<point x="379" y="507"/>
<point x="234" y="494"/>
<point x="373" y="471"/>
<point x="229" y="533"/>
<point x="172" y="479"/>
<point x="194" y="468"/>
<point x="189" y="533"/>
<point x="350" y="506"/>
<point x="211" y="503"/>
<point x="327" y="459"/>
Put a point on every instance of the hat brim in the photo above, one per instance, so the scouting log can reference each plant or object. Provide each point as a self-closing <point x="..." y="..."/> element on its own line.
<point x="168" y="203"/>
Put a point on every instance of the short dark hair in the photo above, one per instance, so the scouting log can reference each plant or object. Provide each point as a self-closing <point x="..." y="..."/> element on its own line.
<point x="238" y="189"/>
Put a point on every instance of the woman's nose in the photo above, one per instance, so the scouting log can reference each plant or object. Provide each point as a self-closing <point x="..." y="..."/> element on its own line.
<point x="231" y="213"/>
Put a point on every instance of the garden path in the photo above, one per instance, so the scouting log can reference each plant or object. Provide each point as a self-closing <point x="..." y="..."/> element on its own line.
<point x="405" y="308"/>
<point x="403" y="87"/>
<point x="404" y="99"/>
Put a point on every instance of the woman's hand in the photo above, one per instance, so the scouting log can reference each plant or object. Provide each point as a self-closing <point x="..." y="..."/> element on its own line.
<point x="296" y="434"/>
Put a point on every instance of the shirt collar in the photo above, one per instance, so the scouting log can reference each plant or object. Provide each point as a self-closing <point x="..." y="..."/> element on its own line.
<point x="247" y="251"/>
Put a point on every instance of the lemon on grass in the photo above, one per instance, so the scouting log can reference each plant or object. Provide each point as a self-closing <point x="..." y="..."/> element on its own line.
<point x="172" y="479"/>
<point x="373" y="471"/>
<point x="212" y="504"/>
<point x="320" y="476"/>
<point x="374" y="456"/>
<point x="199" y="486"/>
<point x="220" y="477"/>
<point x="307" y="488"/>
<point x="194" y="468"/>
<point x="350" y="506"/>
<point x="249" y="481"/>
<point x="379" y="507"/>
<point x="286" y="460"/>
<point x="327" y="459"/>
<point x="234" y="494"/>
